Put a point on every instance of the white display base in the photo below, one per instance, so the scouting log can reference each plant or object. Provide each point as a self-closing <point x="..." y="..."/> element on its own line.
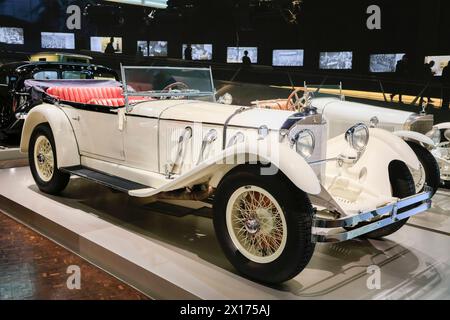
<point x="176" y="255"/>
<point x="9" y="153"/>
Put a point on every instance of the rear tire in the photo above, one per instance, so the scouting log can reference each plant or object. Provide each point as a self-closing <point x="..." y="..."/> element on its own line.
<point x="43" y="161"/>
<point x="403" y="186"/>
<point x="429" y="165"/>
<point x="263" y="229"/>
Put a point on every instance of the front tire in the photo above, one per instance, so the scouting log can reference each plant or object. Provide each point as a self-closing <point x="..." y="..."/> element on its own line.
<point x="43" y="161"/>
<point x="264" y="230"/>
<point x="429" y="168"/>
<point x="403" y="186"/>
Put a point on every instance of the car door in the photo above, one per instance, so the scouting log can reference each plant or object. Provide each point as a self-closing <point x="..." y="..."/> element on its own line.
<point x="141" y="138"/>
<point x="99" y="133"/>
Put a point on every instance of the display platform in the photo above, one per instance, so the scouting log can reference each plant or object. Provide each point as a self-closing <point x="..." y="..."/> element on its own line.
<point x="168" y="253"/>
<point x="10" y="156"/>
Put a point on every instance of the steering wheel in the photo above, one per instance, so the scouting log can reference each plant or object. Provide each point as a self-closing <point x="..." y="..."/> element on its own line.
<point x="295" y="101"/>
<point x="175" y="87"/>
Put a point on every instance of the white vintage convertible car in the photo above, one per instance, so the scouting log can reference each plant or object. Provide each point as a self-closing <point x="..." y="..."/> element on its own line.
<point x="416" y="129"/>
<point x="276" y="186"/>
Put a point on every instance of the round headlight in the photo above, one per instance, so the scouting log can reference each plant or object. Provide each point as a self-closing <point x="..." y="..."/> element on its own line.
<point x="358" y="137"/>
<point x="435" y="135"/>
<point x="305" y="143"/>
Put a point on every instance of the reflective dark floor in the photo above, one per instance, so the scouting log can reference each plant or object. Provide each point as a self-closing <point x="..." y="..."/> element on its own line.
<point x="33" y="267"/>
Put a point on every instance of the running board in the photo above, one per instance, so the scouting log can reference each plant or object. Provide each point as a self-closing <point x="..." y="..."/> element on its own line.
<point x="107" y="180"/>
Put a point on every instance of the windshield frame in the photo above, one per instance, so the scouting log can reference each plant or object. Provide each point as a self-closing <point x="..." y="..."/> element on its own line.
<point x="161" y="94"/>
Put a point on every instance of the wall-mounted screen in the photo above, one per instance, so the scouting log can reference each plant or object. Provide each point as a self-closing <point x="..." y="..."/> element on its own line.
<point x="11" y="35"/>
<point x="288" y="58"/>
<point x="200" y="51"/>
<point x="142" y="47"/>
<point x="440" y="62"/>
<point x="158" y="48"/>
<point x="336" y="60"/>
<point x="55" y="40"/>
<point x="153" y="48"/>
<point x="235" y="54"/>
<point x="100" y="44"/>
<point x="384" y="62"/>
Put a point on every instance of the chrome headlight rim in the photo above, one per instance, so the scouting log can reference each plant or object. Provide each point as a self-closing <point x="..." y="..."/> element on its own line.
<point x="353" y="133"/>
<point x="302" y="136"/>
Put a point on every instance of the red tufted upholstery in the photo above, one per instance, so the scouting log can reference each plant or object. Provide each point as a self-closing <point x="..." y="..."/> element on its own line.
<point x="84" y="95"/>
<point x="113" y="102"/>
<point x="107" y="96"/>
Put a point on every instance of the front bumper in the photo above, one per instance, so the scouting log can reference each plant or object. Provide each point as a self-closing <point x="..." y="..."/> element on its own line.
<point x="333" y="230"/>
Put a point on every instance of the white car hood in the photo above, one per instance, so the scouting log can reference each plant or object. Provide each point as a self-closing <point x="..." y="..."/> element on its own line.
<point x="211" y="113"/>
<point x="337" y="109"/>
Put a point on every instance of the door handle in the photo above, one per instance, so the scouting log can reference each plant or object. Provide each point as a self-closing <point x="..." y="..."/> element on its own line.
<point x="76" y="118"/>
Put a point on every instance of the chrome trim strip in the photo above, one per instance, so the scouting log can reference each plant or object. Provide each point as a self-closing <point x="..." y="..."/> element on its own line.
<point x="182" y="141"/>
<point x="210" y="137"/>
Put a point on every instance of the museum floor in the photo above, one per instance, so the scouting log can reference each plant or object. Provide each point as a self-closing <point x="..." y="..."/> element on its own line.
<point x="33" y="267"/>
<point x="169" y="253"/>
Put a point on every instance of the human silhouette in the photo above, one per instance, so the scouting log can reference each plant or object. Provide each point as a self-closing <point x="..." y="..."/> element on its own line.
<point x="188" y="53"/>
<point x="427" y="78"/>
<point x="446" y="87"/>
<point x="401" y="73"/>
<point x="246" y="61"/>
<point x="110" y="47"/>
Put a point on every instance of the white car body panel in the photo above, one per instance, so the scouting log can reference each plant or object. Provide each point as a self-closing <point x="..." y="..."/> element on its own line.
<point x="366" y="183"/>
<point x="415" y="136"/>
<point x="443" y="126"/>
<point x="66" y="143"/>
<point x="344" y="114"/>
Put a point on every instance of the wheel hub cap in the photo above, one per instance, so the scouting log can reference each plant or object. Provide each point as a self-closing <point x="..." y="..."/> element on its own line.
<point x="41" y="158"/>
<point x="252" y="226"/>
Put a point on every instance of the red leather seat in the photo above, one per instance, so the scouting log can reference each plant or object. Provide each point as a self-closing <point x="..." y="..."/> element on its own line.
<point x="84" y="95"/>
<point x="113" y="102"/>
<point x="100" y="96"/>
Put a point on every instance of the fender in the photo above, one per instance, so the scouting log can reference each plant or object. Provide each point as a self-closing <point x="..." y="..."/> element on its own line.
<point x="443" y="126"/>
<point x="67" y="153"/>
<point x="214" y="169"/>
<point x="415" y="137"/>
<point x="371" y="170"/>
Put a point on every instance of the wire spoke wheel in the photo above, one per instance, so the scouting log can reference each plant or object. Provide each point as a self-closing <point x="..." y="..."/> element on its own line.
<point x="44" y="159"/>
<point x="256" y="224"/>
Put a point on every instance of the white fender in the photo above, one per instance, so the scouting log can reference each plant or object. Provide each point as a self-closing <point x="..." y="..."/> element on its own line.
<point x="372" y="167"/>
<point x="215" y="168"/>
<point x="67" y="153"/>
<point x="415" y="136"/>
<point x="443" y="126"/>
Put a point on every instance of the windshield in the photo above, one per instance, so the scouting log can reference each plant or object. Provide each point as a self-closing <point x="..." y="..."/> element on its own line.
<point x="168" y="83"/>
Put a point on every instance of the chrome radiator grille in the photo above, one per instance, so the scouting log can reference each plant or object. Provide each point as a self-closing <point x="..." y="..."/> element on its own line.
<point x="421" y="124"/>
